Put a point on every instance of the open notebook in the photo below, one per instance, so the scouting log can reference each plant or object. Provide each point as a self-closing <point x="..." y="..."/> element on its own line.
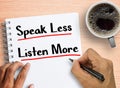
<point x="47" y="42"/>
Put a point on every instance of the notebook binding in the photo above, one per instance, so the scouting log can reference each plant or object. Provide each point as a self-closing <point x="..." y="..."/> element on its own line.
<point x="7" y="37"/>
<point x="4" y="40"/>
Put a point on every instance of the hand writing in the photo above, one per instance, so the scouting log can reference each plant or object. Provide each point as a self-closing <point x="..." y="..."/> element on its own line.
<point x="93" y="60"/>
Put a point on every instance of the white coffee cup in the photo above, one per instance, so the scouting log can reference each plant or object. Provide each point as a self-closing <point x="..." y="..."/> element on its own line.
<point x="103" y="20"/>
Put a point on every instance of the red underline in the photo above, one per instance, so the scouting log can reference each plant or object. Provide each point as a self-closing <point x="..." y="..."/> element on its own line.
<point x="27" y="59"/>
<point x="49" y="35"/>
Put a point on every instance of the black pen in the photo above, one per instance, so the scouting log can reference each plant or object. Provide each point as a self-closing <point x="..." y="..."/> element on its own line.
<point x="91" y="71"/>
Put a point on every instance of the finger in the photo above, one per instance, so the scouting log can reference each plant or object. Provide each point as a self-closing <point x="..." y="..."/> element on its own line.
<point x="78" y="71"/>
<point x="3" y="71"/>
<point x="31" y="86"/>
<point x="9" y="77"/>
<point x="22" y="76"/>
<point x="81" y="74"/>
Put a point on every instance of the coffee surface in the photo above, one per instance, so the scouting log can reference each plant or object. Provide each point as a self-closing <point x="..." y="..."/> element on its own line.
<point x="103" y="18"/>
<point x="105" y="24"/>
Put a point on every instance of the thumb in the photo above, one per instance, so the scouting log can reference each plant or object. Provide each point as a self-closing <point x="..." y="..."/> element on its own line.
<point x="77" y="71"/>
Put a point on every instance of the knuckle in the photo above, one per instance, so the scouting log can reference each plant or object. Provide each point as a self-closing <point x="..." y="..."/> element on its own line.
<point x="110" y="63"/>
<point x="2" y="70"/>
<point x="21" y="76"/>
<point x="10" y="69"/>
<point x="89" y="50"/>
<point x="24" y="68"/>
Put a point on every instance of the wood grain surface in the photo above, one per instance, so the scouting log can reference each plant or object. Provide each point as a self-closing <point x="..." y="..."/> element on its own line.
<point x="23" y="8"/>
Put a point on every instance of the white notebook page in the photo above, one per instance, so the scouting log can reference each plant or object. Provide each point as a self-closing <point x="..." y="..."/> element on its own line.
<point x="46" y="42"/>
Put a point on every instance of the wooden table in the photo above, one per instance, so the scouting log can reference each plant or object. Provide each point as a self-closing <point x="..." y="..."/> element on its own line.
<point x="20" y="8"/>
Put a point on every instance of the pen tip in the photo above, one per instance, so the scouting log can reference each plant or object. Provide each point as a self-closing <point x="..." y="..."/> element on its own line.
<point x="71" y="59"/>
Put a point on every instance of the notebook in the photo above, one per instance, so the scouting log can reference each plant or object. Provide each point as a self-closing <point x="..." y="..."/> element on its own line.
<point x="46" y="42"/>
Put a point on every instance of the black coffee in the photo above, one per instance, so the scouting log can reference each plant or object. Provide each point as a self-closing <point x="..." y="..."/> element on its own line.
<point x="105" y="24"/>
<point x="103" y="18"/>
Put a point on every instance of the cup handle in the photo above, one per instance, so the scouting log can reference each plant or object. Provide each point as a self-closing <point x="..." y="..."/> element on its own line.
<point x="112" y="41"/>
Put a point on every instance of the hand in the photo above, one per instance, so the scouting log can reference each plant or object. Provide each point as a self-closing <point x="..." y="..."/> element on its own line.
<point x="7" y="72"/>
<point x="93" y="60"/>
